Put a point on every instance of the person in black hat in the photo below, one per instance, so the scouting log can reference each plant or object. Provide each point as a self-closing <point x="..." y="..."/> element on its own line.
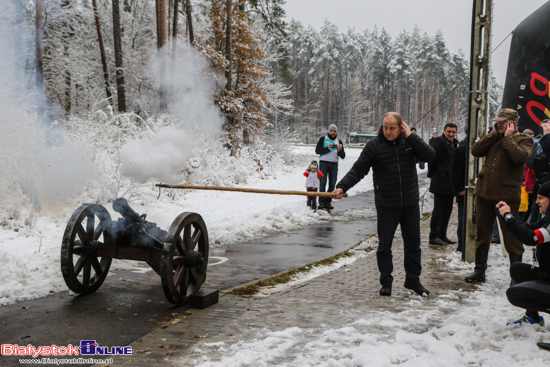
<point x="531" y="289"/>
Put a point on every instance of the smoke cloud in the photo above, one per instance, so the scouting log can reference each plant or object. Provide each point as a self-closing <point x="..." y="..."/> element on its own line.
<point x="191" y="88"/>
<point x="38" y="161"/>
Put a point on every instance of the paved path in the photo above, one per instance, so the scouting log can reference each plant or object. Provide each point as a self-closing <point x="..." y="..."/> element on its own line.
<point x="333" y="300"/>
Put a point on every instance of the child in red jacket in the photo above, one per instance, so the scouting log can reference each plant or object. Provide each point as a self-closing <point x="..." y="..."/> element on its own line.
<point x="313" y="176"/>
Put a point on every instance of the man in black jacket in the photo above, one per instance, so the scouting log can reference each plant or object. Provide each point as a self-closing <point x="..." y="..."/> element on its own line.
<point x="441" y="185"/>
<point x="531" y="289"/>
<point x="392" y="156"/>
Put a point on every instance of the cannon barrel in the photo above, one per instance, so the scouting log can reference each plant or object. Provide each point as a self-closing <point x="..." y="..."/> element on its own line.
<point x="121" y="206"/>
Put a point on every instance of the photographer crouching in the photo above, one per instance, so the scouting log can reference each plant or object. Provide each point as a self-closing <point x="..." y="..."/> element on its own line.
<point x="531" y="284"/>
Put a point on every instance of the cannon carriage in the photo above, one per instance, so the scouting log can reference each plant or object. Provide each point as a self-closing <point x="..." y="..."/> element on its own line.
<point x="92" y="239"/>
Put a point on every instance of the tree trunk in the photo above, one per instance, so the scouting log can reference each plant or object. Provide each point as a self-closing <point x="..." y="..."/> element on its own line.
<point x="161" y="42"/>
<point x="175" y="26"/>
<point x="39" y="56"/>
<point x="121" y="88"/>
<point x="229" y="10"/>
<point x="416" y="99"/>
<point x="102" y="52"/>
<point x="189" y="21"/>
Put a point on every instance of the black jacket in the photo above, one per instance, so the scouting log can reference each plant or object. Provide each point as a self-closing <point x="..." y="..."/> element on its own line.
<point x="457" y="168"/>
<point x="531" y="235"/>
<point x="438" y="168"/>
<point x="394" y="169"/>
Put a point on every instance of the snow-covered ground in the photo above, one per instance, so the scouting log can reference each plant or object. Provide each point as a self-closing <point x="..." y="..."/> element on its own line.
<point x="31" y="251"/>
<point x="458" y="328"/>
<point x="471" y="330"/>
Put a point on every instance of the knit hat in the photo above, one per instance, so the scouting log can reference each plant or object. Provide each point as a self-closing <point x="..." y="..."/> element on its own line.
<point x="332" y="127"/>
<point x="528" y="132"/>
<point x="544" y="189"/>
<point x="313" y="165"/>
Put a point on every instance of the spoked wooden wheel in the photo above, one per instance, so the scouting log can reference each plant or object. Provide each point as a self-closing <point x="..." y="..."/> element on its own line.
<point x="82" y="269"/>
<point x="184" y="258"/>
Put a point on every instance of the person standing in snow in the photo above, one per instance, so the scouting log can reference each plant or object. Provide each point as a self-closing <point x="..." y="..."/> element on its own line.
<point x="330" y="149"/>
<point x="441" y="185"/>
<point x="505" y="151"/>
<point x="531" y="289"/>
<point x="392" y="156"/>
<point x="313" y="176"/>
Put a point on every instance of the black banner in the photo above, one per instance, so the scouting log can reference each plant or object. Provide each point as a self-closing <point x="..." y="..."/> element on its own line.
<point x="527" y="86"/>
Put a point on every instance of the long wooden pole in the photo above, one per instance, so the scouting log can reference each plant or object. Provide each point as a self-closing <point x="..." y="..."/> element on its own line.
<point x="255" y="191"/>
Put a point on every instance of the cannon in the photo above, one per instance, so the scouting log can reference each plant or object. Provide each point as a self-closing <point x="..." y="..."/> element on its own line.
<point x="91" y="240"/>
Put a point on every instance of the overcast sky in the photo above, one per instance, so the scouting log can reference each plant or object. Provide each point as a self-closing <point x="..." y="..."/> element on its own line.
<point x="452" y="17"/>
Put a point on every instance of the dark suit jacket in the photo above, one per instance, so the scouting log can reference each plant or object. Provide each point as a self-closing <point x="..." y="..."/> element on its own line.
<point x="438" y="168"/>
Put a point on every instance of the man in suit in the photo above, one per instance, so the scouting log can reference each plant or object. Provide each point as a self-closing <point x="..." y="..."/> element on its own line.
<point x="441" y="184"/>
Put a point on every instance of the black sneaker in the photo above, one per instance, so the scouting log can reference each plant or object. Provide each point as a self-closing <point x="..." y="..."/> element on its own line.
<point x="417" y="288"/>
<point x="320" y="207"/>
<point x="328" y="207"/>
<point x="448" y="240"/>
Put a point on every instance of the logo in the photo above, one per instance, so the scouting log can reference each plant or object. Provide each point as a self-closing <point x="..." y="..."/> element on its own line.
<point x="90" y="347"/>
<point x="87" y="347"/>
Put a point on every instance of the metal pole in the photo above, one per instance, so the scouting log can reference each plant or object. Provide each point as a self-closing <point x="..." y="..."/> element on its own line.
<point x="478" y="110"/>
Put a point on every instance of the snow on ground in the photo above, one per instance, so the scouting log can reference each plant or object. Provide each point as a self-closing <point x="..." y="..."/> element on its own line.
<point x="31" y="250"/>
<point x="469" y="328"/>
<point x="458" y="328"/>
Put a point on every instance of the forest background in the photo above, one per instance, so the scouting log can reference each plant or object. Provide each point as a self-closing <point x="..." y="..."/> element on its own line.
<point x="102" y="96"/>
<point x="268" y="75"/>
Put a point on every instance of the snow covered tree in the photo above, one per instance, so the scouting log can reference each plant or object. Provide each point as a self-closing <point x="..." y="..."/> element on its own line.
<point x="243" y="101"/>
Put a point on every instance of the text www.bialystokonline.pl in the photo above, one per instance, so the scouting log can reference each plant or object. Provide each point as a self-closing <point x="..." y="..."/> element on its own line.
<point x="60" y="361"/>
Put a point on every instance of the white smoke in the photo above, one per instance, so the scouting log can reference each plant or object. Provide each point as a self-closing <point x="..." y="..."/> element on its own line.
<point x="190" y="89"/>
<point x="39" y="163"/>
<point x="161" y="157"/>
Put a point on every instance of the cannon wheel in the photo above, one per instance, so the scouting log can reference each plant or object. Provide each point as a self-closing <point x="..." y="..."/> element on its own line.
<point x="184" y="258"/>
<point x="82" y="270"/>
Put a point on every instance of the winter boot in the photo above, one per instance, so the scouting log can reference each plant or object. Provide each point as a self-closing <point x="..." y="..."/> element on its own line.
<point x="481" y="265"/>
<point x="386" y="286"/>
<point x="417" y="288"/>
<point x="514" y="258"/>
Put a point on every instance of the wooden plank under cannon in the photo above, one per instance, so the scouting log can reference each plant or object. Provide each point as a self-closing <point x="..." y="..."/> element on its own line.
<point x="255" y="191"/>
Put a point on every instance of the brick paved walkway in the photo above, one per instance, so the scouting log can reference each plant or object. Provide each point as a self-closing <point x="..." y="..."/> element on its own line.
<point x="333" y="300"/>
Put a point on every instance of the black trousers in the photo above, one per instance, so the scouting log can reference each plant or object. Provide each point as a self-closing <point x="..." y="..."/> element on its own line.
<point x="409" y="219"/>
<point x="443" y="207"/>
<point x="529" y="293"/>
<point x="312" y="200"/>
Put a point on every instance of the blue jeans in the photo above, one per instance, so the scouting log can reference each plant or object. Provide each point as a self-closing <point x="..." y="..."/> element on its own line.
<point x="330" y="171"/>
<point x="409" y="219"/>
